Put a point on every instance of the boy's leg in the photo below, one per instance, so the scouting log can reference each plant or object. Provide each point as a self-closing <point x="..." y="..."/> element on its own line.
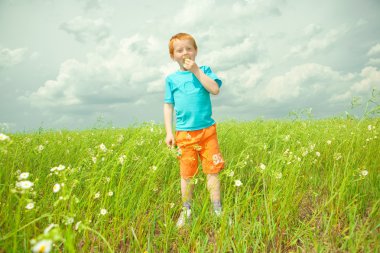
<point x="212" y="163"/>
<point x="213" y="185"/>
<point x="187" y="188"/>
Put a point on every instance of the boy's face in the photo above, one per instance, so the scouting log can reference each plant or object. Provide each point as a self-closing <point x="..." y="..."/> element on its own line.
<point x="183" y="49"/>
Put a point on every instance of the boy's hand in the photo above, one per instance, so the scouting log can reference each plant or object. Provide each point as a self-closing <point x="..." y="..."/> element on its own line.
<point x="170" y="141"/>
<point x="189" y="64"/>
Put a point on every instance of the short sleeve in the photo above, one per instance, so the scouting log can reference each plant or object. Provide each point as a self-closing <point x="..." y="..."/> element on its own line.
<point x="207" y="70"/>
<point x="168" y="92"/>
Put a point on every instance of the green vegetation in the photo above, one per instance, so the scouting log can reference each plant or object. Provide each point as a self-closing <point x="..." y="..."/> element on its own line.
<point x="307" y="186"/>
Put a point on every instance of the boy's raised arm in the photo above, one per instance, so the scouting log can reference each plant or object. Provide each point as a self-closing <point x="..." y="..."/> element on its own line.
<point x="209" y="84"/>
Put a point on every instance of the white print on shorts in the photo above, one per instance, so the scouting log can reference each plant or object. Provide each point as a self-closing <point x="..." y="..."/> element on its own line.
<point x="217" y="158"/>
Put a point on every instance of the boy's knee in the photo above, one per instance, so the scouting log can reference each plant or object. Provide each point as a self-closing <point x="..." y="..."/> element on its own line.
<point x="212" y="181"/>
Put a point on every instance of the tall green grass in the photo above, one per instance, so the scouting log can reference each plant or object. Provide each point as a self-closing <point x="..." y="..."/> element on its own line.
<point x="307" y="186"/>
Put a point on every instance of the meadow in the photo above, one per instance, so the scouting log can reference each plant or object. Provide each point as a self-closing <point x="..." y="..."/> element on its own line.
<point x="288" y="186"/>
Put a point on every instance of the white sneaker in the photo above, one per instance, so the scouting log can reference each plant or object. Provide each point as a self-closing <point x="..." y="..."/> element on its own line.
<point x="218" y="212"/>
<point x="183" y="217"/>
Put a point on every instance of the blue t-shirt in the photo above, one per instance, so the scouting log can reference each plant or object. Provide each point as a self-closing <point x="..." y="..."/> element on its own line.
<point x="191" y="100"/>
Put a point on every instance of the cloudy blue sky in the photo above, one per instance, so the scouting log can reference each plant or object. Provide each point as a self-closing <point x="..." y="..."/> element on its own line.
<point x="65" y="64"/>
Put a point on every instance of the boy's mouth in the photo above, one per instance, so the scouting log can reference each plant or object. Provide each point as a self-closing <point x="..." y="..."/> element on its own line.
<point x="184" y="58"/>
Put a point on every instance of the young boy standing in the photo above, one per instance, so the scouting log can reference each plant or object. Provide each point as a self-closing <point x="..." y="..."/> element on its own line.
<point x="187" y="91"/>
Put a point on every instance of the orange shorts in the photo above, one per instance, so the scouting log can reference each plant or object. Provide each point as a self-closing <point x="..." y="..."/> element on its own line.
<point x="202" y="143"/>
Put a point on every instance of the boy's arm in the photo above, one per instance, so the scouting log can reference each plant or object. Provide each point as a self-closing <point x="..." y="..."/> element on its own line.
<point x="209" y="84"/>
<point x="168" y="120"/>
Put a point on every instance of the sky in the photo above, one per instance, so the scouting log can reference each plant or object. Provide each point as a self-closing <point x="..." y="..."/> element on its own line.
<point x="75" y="64"/>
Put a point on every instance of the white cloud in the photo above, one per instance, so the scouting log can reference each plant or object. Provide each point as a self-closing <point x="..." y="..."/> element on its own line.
<point x="307" y="80"/>
<point x="85" y="29"/>
<point x="375" y="50"/>
<point x="9" y="57"/>
<point x="92" y="4"/>
<point x="368" y="80"/>
<point x="191" y="14"/>
<point x="317" y="42"/>
<point x="256" y="7"/>
<point x="374" y="54"/>
<point x="117" y="73"/>
<point x="374" y="62"/>
<point x="312" y="29"/>
<point x="241" y="53"/>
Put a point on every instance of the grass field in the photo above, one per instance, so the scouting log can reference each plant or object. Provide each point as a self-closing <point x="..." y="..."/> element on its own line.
<point x="307" y="186"/>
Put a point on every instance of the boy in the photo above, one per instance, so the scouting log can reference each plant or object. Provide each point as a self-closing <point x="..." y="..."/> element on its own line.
<point x="187" y="91"/>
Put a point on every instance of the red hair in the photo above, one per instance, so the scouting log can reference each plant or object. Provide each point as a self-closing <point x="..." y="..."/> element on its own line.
<point x="180" y="36"/>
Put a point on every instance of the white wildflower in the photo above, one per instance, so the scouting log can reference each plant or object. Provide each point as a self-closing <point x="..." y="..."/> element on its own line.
<point x="97" y="195"/>
<point x="23" y="176"/>
<point x="103" y="147"/>
<point x="43" y="246"/>
<point x="110" y="193"/>
<point x="46" y="231"/>
<point x="328" y="142"/>
<point x="364" y="173"/>
<point x="262" y="166"/>
<point x="40" y="148"/>
<point x="77" y="225"/>
<point x="231" y="173"/>
<point x="4" y="137"/>
<point x="369" y="128"/>
<point x="94" y="159"/>
<point x="278" y="175"/>
<point x="30" y="206"/>
<point x="24" y="184"/>
<point x="122" y="159"/>
<point x="238" y="183"/>
<point x="58" y="168"/>
<point x="317" y="154"/>
<point x="69" y="220"/>
<point x="120" y="139"/>
<point x="56" y="188"/>
<point x="103" y="211"/>
<point x="61" y="167"/>
<point x="154" y="168"/>
<point x="337" y="156"/>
